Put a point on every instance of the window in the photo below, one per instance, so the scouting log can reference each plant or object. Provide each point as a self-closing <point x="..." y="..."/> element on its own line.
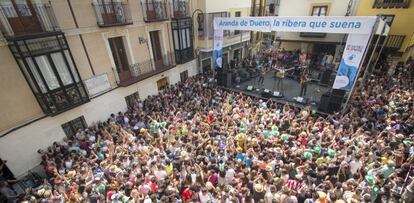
<point x="49" y="69"/>
<point x="200" y="23"/>
<point x="132" y="99"/>
<point x="71" y="128"/>
<point x="184" y="76"/>
<point x="211" y="17"/>
<point x="319" y="10"/>
<point x="162" y="83"/>
<point x="388" y="19"/>
<point x="183" y="42"/>
<point x="237" y="14"/>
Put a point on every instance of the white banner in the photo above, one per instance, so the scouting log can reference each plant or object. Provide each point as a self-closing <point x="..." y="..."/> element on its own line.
<point x="324" y="24"/>
<point x="350" y="62"/>
<point x="217" y="49"/>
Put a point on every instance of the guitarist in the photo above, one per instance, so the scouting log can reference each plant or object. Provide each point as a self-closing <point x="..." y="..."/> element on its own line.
<point x="304" y="79"/>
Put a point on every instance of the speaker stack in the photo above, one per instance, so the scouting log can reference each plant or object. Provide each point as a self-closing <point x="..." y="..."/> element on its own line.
<point x="266" y="94"/>
<point x="332" y="101"/>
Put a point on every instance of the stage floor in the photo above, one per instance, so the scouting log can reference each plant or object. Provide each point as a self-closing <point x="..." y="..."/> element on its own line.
<point x="291" y="88"/>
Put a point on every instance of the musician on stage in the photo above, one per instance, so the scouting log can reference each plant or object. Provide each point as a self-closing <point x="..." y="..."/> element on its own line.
<point x="304" y="79"/>
<point x="280" y="75"/>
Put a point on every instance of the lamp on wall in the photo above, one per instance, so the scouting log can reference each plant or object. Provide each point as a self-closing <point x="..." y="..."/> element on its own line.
<point x="142" y="40"/>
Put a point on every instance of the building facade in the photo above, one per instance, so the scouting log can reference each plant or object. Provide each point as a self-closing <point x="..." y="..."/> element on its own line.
<point x="263" y="40"/>
<point x="397" y="14"/>
<point x="66" y="64"/>
<point x="235" y="42"/>
<point x="315" y="42"/>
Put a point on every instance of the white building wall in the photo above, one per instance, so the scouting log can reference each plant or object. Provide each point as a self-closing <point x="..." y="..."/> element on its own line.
<point x="220" y="5"/>
<point x="304" y="8"/>
<point x="41" y="134"/>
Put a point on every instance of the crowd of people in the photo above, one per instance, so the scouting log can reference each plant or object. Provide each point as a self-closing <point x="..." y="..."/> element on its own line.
<point x="196" y="142"/>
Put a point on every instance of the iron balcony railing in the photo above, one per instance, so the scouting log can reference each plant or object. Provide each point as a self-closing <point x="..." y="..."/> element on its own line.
<point x="154" y="10"/>
<point x="391" y="3"/>
<point x="112" y="14"/>
<point x="394" y="42"/>
<point x="180" y="8"/>
<point x="27" y="19"/>
<point x="145" y="69"/>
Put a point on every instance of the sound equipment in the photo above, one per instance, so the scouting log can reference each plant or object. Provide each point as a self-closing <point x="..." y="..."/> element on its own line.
<point x="323" y="104"/>
<point x="335" y="101"/>
<point x="224" y="78"/>
<point x="326" y="77"/>
<point x="266" y="93"/>
<point x="249" y="88"/>
<point x="301" y="100"/>
<point x="277" y="94"/>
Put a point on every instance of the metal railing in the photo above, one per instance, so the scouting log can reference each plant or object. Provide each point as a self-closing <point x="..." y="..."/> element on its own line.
<point x="26" y="19"/>
<point x="391" y="4"/>
<point x="154" y="10"/>
<point x="112" y="14"/>
<point x="180" y="8"/>
<point x="394" y="42"/>
<point x="142" y="70"/>
<point x="205" y="24"/>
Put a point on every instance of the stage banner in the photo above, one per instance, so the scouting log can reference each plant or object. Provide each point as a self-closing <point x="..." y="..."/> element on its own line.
<point x="321" y="24"/>
<point x="217" y="50"/>
<point x="351" y="60"/>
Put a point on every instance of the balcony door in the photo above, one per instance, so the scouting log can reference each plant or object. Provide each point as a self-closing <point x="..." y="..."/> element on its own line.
<point x="120" y="58"/>
<point x="156" y="48"/>
<point x="21" y="15"/>
<point x="151" y="6"/>
<point x="107" y="11"/>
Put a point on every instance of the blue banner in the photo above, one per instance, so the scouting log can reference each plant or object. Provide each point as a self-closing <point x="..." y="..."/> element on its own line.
<point x="217" y="50"/>
<point x="350" y="62"/>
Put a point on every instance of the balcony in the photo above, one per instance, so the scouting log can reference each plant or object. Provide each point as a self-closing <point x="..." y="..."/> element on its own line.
<point x="154" y="10"/>
<point x="112" y="14"/>
<point x="394" y="42"/>
<point x="146" y="69"/>
<point x="312" y="34"/>
<point x="205" y="24"/>
<point x="391" y="3"/>
<point x="24" y="19"/>
<point x="180" y="8"/>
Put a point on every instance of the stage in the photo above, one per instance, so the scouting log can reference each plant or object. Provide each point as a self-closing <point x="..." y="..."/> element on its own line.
<point x="291" y="88"/>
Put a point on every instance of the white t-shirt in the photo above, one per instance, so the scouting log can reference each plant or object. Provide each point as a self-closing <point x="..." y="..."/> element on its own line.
<point x="354" y="165"/>
<point x="204" y="198"/>
<point x="230" y="174"/>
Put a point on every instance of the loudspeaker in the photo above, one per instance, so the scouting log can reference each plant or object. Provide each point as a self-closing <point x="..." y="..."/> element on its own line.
<point x="277" y="94"/>
<point x="266" y="94"/>
<point x="338" y="92"/>
<point x="224" y="79"/>
<point x="249" y="88"/>
<point x="323" y="104"/>
<point x="335" y="100"/>
<point x="334" y="107"/>
<point x="228" y="79"/>
<point x="326" y="77"/>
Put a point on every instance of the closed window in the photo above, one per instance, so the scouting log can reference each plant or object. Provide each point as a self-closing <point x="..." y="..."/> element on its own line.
<point x="49" y="69"/>
<point x="183" y="42"/>
<point x="237" y="14"/>
<point x="319" y="10"/>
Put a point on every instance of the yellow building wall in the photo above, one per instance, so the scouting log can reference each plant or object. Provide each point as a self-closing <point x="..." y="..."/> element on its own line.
<point x="17" y="102"/>
<point x="402" y="24"/>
